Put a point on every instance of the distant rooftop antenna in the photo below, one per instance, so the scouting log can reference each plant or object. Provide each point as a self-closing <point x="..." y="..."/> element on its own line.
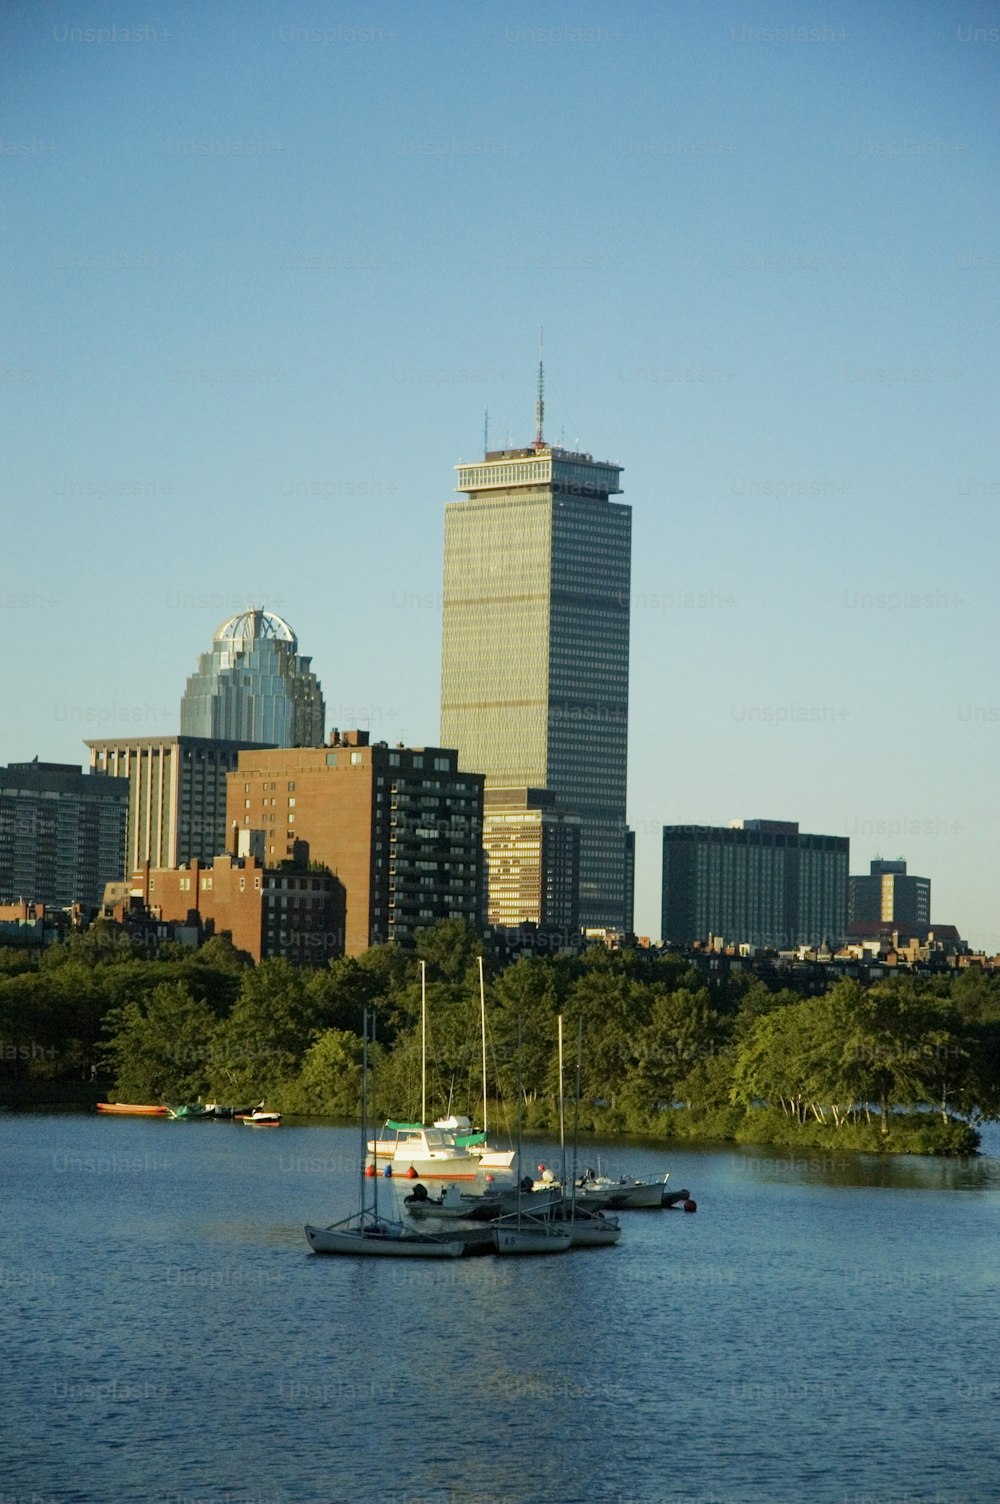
<point x="486" y="431"/>
<point x="540" y="404"/>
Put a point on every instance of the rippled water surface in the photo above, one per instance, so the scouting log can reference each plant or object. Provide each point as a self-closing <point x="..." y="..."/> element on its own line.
<point x="825" y="1328"/>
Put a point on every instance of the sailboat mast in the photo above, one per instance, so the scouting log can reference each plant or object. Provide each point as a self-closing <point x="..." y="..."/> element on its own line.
<point x="576" y="1109"/>
<point x="562" y="1118"/>
<point x="364" y="1106"/>
<point x="423" y="1042"/>
<point x="375" y="1156"/>
<point x="482" y="1027"/>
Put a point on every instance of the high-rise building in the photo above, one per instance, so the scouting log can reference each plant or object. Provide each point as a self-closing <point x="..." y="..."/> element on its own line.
<point x="758" y="882"/>
<point x="62" y="833"/>
<point x="532" y="860"/>
<point x="254" y="687"/>
<point x="176" y="797"/>
<point x="534" y="680"/>
<point x="888" y="896"/>
<point x="400" y="827"/>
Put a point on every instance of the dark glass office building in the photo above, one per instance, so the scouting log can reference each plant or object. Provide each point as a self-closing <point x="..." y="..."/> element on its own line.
<point x="760" y="883"/>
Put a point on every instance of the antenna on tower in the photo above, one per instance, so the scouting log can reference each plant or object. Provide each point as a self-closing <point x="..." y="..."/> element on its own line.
<point x="540" y="404"/>
<point x="486" y="431"/>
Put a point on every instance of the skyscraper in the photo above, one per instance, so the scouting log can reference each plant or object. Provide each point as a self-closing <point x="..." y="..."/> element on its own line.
<point x="253" y="687"/>
<point x="534" y="682"/>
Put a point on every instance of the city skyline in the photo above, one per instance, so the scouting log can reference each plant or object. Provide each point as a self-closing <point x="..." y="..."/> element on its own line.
<point x="266" y="281"/>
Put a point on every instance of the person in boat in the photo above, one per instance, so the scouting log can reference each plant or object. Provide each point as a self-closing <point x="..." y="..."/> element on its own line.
<point x="546" y="1174"/>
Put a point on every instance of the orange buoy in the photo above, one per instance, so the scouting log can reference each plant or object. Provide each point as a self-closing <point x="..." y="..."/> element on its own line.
<point x="690" y="1206"/>
<point x="411" y="1173"/>
<point x="369" y="1170"/>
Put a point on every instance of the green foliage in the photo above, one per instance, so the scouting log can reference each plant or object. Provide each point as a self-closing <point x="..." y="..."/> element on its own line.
<point x="329" y="1082"/>
<point x="893" y="1066"/>
<point x="160" y="1045"/>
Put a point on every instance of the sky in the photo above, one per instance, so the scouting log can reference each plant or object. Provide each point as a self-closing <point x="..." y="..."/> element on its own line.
<point x="266" y="270"/>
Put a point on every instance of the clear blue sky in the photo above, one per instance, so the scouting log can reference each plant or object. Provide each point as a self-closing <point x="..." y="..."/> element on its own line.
<point x="265" y="268"/>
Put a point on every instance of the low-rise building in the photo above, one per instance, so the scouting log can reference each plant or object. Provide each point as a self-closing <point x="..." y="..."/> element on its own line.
<point x="294" y="911"/>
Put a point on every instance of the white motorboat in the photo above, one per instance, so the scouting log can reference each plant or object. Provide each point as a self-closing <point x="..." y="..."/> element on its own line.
<point x="477" y="1206"/>
<point x="449" y="1150"/>
<point x="260" y="1119"/>
<point x="603" y="1193"/>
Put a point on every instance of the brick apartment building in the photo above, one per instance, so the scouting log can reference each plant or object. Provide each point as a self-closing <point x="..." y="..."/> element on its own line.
<point x="400" y="827"/>
<point x="292" y="913"/>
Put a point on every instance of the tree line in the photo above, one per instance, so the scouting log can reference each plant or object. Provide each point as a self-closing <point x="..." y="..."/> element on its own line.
<point x="907" y="1063"/>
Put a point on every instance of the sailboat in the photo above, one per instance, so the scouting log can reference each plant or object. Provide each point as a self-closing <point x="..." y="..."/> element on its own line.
<point x="367" y="1232"/>
<point x="448" y="1150"/>
<point x="587" y="1228"/>
<point x="523" y="1232"/>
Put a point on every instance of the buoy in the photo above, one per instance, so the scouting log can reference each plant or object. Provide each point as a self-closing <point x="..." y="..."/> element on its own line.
<point x="387" y="1172"/>
<point x="488" y="1179"/>
<point x="369" y="1170"/>
<point x="690" y="1206"/>
<point x="411" y="1173"/>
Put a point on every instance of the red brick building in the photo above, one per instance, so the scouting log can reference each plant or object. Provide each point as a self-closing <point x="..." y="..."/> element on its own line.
<point x="293" y="913"/>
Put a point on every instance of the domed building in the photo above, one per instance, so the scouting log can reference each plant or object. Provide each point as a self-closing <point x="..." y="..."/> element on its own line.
<point x="255" y="687"/>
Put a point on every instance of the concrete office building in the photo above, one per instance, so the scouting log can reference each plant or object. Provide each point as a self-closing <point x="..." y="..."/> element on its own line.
<point x="535" y="645"/>
<point x="401" y="827"/>
<point x="888" y="896"/>
<point x="176" y="797"/>
<point x="758" y="882"/>
<point x="62" y="834"/>
<point x="532" y="860"/>
<point x="254" y="687"/>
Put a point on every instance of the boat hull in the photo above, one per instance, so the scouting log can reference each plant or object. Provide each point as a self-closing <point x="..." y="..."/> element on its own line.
<point x="513" y="1240"/>
<point x="363" y="1242"/>
<point x="622" y="1195"/>
<point x="133" y="1109"/>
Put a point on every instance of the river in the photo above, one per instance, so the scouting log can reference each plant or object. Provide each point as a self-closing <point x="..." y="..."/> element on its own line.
<point x="826" y="1327"/>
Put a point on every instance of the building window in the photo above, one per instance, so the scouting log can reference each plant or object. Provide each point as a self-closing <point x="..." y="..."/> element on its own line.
<point x="357" y="758"/>
<point x="291" y="788"/>
<point x="291" y="802"/>
<point x="331" y="759"/>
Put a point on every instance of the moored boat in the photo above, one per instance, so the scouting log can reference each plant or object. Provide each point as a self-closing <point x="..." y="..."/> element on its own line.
<point x="602" y="1193"/>
<point x="133" y="1108"/>
<point x="426" y="1154"/>
<point x="525" y="1234"/>
<point x="261" y="1119"/>
<point x="367" y="1233"/>
<point x="587" y="1229"/>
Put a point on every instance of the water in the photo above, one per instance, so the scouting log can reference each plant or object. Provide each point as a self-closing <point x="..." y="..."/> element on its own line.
<point x="826" y="1328"/>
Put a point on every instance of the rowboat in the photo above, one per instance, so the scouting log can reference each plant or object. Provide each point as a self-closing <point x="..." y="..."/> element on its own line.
<point x="133" y="1109"/>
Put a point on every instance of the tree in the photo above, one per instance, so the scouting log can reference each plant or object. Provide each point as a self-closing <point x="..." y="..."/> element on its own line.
<point x="159" y="1046"/>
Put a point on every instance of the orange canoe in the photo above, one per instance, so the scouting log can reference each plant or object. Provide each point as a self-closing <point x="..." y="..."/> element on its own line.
<point x="132" y="1108"/>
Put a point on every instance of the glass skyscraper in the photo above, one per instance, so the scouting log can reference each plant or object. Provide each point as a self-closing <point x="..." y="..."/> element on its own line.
<point x="534" y="683"/>
<point x="254" y="687"/>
